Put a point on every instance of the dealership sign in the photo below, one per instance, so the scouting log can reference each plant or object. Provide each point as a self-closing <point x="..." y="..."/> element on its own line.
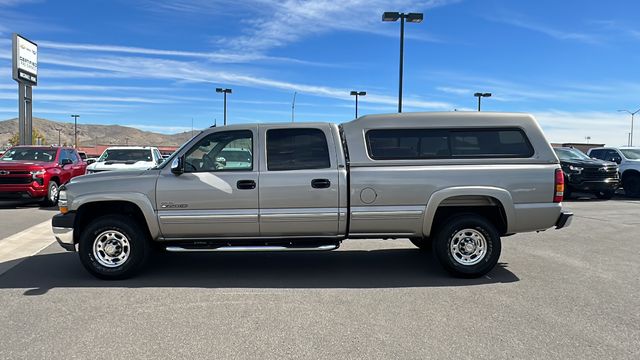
<point x="25" y="60"/>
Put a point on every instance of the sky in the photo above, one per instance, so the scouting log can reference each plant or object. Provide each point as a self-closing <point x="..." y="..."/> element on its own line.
<point x="155" y="64"/>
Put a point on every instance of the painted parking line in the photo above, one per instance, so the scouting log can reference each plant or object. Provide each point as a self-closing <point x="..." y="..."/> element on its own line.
<point x="17" y="247"/>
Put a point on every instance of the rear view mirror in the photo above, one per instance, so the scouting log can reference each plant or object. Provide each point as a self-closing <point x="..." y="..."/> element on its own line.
<point x="177" y="165"/>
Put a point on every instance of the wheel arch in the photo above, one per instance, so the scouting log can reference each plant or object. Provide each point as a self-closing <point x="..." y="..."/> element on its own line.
<point x="470" y="199"/>
<point x="136" y="205"/>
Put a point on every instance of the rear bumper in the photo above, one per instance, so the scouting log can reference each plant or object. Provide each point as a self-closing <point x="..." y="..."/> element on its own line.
<point x="62" y="226"/>
<point x="564" y="220"/>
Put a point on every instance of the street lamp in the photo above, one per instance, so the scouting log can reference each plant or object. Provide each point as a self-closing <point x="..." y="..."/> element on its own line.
<point x="356" y="94"/>
<point x="632" y="115"/>
<point x="412" y="18"/>
<point x="481" y="95"/>
<point x="75" y="130"/>
<point x="293" y="105"/>
<point x="58" y="130"/>
<point x="225" y="92"/>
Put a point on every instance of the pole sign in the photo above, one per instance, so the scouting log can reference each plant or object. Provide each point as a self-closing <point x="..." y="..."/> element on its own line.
<point x="25" y="60"/>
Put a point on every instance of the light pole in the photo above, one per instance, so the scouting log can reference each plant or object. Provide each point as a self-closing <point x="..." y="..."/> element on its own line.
<point x="58" y="130"/>
<point x="632" y="115"/>
<point x="75" y="130"/>
<point x="356" y="94"/>
<point x="481" y="95"/>
<point x="293" y="105"/>
<point x="412" y="18"/>
<point x="225" y="92"/>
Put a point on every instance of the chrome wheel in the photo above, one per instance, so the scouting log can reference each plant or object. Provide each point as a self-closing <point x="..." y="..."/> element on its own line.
<point x="111" y="248"/>
<point x="53" y="193"/>
<point x="468" y="247"/>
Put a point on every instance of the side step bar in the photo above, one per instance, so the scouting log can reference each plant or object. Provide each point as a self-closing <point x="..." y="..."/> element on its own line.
<point x="252" y="248"/>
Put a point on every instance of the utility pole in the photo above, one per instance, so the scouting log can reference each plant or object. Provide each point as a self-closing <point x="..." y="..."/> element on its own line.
<point x="632" y="115"/>
<point x="75" y="130"/>
<point x="293" y="106"/>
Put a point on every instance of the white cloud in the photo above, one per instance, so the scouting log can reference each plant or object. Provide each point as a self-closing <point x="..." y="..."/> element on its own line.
<point x="603" y="127"/>
<point x="453" y="90"/>
<point x="519" y="21"/>
<point x="78" y="98"/>
<point x="160" y="128"/>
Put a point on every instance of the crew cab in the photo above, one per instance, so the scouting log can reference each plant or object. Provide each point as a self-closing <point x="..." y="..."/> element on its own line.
<point x="453" y="181"/>
<point x="126" y="158"/>
<point x="628" y="160"/>
<point x="582" y="173"/>
<point x="34" y="173"/>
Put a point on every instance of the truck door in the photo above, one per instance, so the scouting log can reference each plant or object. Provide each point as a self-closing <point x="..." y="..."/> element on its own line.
<point x="215" y="197"/>
<point x="299" y="182"/>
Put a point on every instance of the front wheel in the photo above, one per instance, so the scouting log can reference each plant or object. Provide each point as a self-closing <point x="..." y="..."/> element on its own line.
<point x="52" y="194"/>
<point x="468" y="246"/>
<point x="631" y="185"/>
<point x="605" y="195"/>
<point x="113" y="247"/>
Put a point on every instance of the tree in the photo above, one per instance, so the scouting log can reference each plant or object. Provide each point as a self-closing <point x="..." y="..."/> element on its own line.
<point x="35" y="134"/>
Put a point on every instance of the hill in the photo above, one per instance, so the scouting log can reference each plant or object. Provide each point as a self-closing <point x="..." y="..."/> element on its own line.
<point x="90" y="135"/>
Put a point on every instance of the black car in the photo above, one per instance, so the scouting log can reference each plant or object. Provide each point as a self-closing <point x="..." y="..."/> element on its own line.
<point x="584" y="174"/>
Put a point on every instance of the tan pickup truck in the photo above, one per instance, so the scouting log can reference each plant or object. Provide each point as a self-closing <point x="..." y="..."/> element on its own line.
<point x="455" y="182"/>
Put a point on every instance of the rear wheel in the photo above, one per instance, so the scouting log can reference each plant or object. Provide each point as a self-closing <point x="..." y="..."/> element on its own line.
<point x="422" y="243"/>
<point x="52" y="194"/>
<point x="113" y="247"/>
<point x="631" y="185"/>
<point x="468" y="246"/>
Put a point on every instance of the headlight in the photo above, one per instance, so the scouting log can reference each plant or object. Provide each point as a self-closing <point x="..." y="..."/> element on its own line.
<point x="576" y="169"/>
<point x="35" y="174"/>
<point x="62" y="201"/>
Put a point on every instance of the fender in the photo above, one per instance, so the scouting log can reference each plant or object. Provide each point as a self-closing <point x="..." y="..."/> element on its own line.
<point x="138" y="199"/>
<point x="502" y="195"/>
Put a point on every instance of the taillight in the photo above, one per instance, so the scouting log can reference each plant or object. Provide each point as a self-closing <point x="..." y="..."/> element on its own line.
<point x="559" y="186"/>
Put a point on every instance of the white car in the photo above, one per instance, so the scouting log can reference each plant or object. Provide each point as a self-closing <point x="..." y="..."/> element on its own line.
<point x="124" y="158"/>
<point x="628" y="159"/>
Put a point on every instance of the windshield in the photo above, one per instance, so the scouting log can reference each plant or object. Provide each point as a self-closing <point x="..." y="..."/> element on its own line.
<point x="571" y="154"/>
<point x="631" y="154"/>
<point x="29" y="154"/>
<point x="236" y="155"/>
<point x="126" y="155"/>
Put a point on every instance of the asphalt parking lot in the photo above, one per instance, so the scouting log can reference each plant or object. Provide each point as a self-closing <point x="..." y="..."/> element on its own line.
<point x="572" y="293"/>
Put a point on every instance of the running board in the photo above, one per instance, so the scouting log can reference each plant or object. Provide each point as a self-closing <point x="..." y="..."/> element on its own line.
<point x="252" y="248"/>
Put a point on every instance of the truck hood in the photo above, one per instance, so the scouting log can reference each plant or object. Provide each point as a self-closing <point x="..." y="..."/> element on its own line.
<point x="25" y="165"/>
<point x="595" y="163"/>
<point x="108" y="176"/>
<point x="118" y="165"/>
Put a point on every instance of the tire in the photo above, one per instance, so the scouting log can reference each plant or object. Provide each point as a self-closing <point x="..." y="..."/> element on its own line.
<point x="424" y="244"/>
<point x="605" y="195"/>
<point x="120" y="235"/>
<point x="484" y="243"/>
<point x="631" y="185"/>
<point x="52" y="195"/>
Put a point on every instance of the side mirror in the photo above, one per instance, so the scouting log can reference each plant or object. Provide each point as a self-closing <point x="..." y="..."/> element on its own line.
<point x="66" y="162"/>
<point x="177" y="165"/>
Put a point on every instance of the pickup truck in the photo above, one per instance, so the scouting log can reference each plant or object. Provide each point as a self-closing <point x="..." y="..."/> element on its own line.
<point x="34" y="173"/>
<point x="454" y="181"/>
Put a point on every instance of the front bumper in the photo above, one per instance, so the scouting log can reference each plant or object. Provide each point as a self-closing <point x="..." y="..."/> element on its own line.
<point x="62" y="226"/>
<point x="595" y="185"/>
<point x="564" y="220"/>
<point x="30" y="191"/>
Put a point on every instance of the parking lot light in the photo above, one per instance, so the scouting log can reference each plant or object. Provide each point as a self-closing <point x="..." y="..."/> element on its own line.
<point x="356" y="94"/>
<point x="632" y="115"/>
<point x="225" y="92"/>
<point x="481" y="95"/>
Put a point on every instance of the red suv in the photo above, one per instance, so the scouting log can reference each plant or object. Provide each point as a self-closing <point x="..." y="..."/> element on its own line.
<point x="34" y="173"/>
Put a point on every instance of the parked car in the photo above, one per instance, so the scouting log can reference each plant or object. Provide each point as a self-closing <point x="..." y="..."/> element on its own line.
<point x="91" y="160"/>
<point x="83" y="155"/>
<point x="35" y="173"/>
<point x="455" y="181"/>
<point x="628" y="160"/>
<point x="582" y="173"/>
<point x="124" y="158"/>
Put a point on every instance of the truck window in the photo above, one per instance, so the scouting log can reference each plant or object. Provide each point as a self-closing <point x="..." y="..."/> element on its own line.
<point x="212" y="153"/>
<point x="411" y="144"/>
<point x="297" y="149"/>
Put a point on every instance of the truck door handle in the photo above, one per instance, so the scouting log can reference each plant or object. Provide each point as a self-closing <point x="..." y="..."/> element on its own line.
<point x="320" y="183"/>
<point x="246" y="184"/>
